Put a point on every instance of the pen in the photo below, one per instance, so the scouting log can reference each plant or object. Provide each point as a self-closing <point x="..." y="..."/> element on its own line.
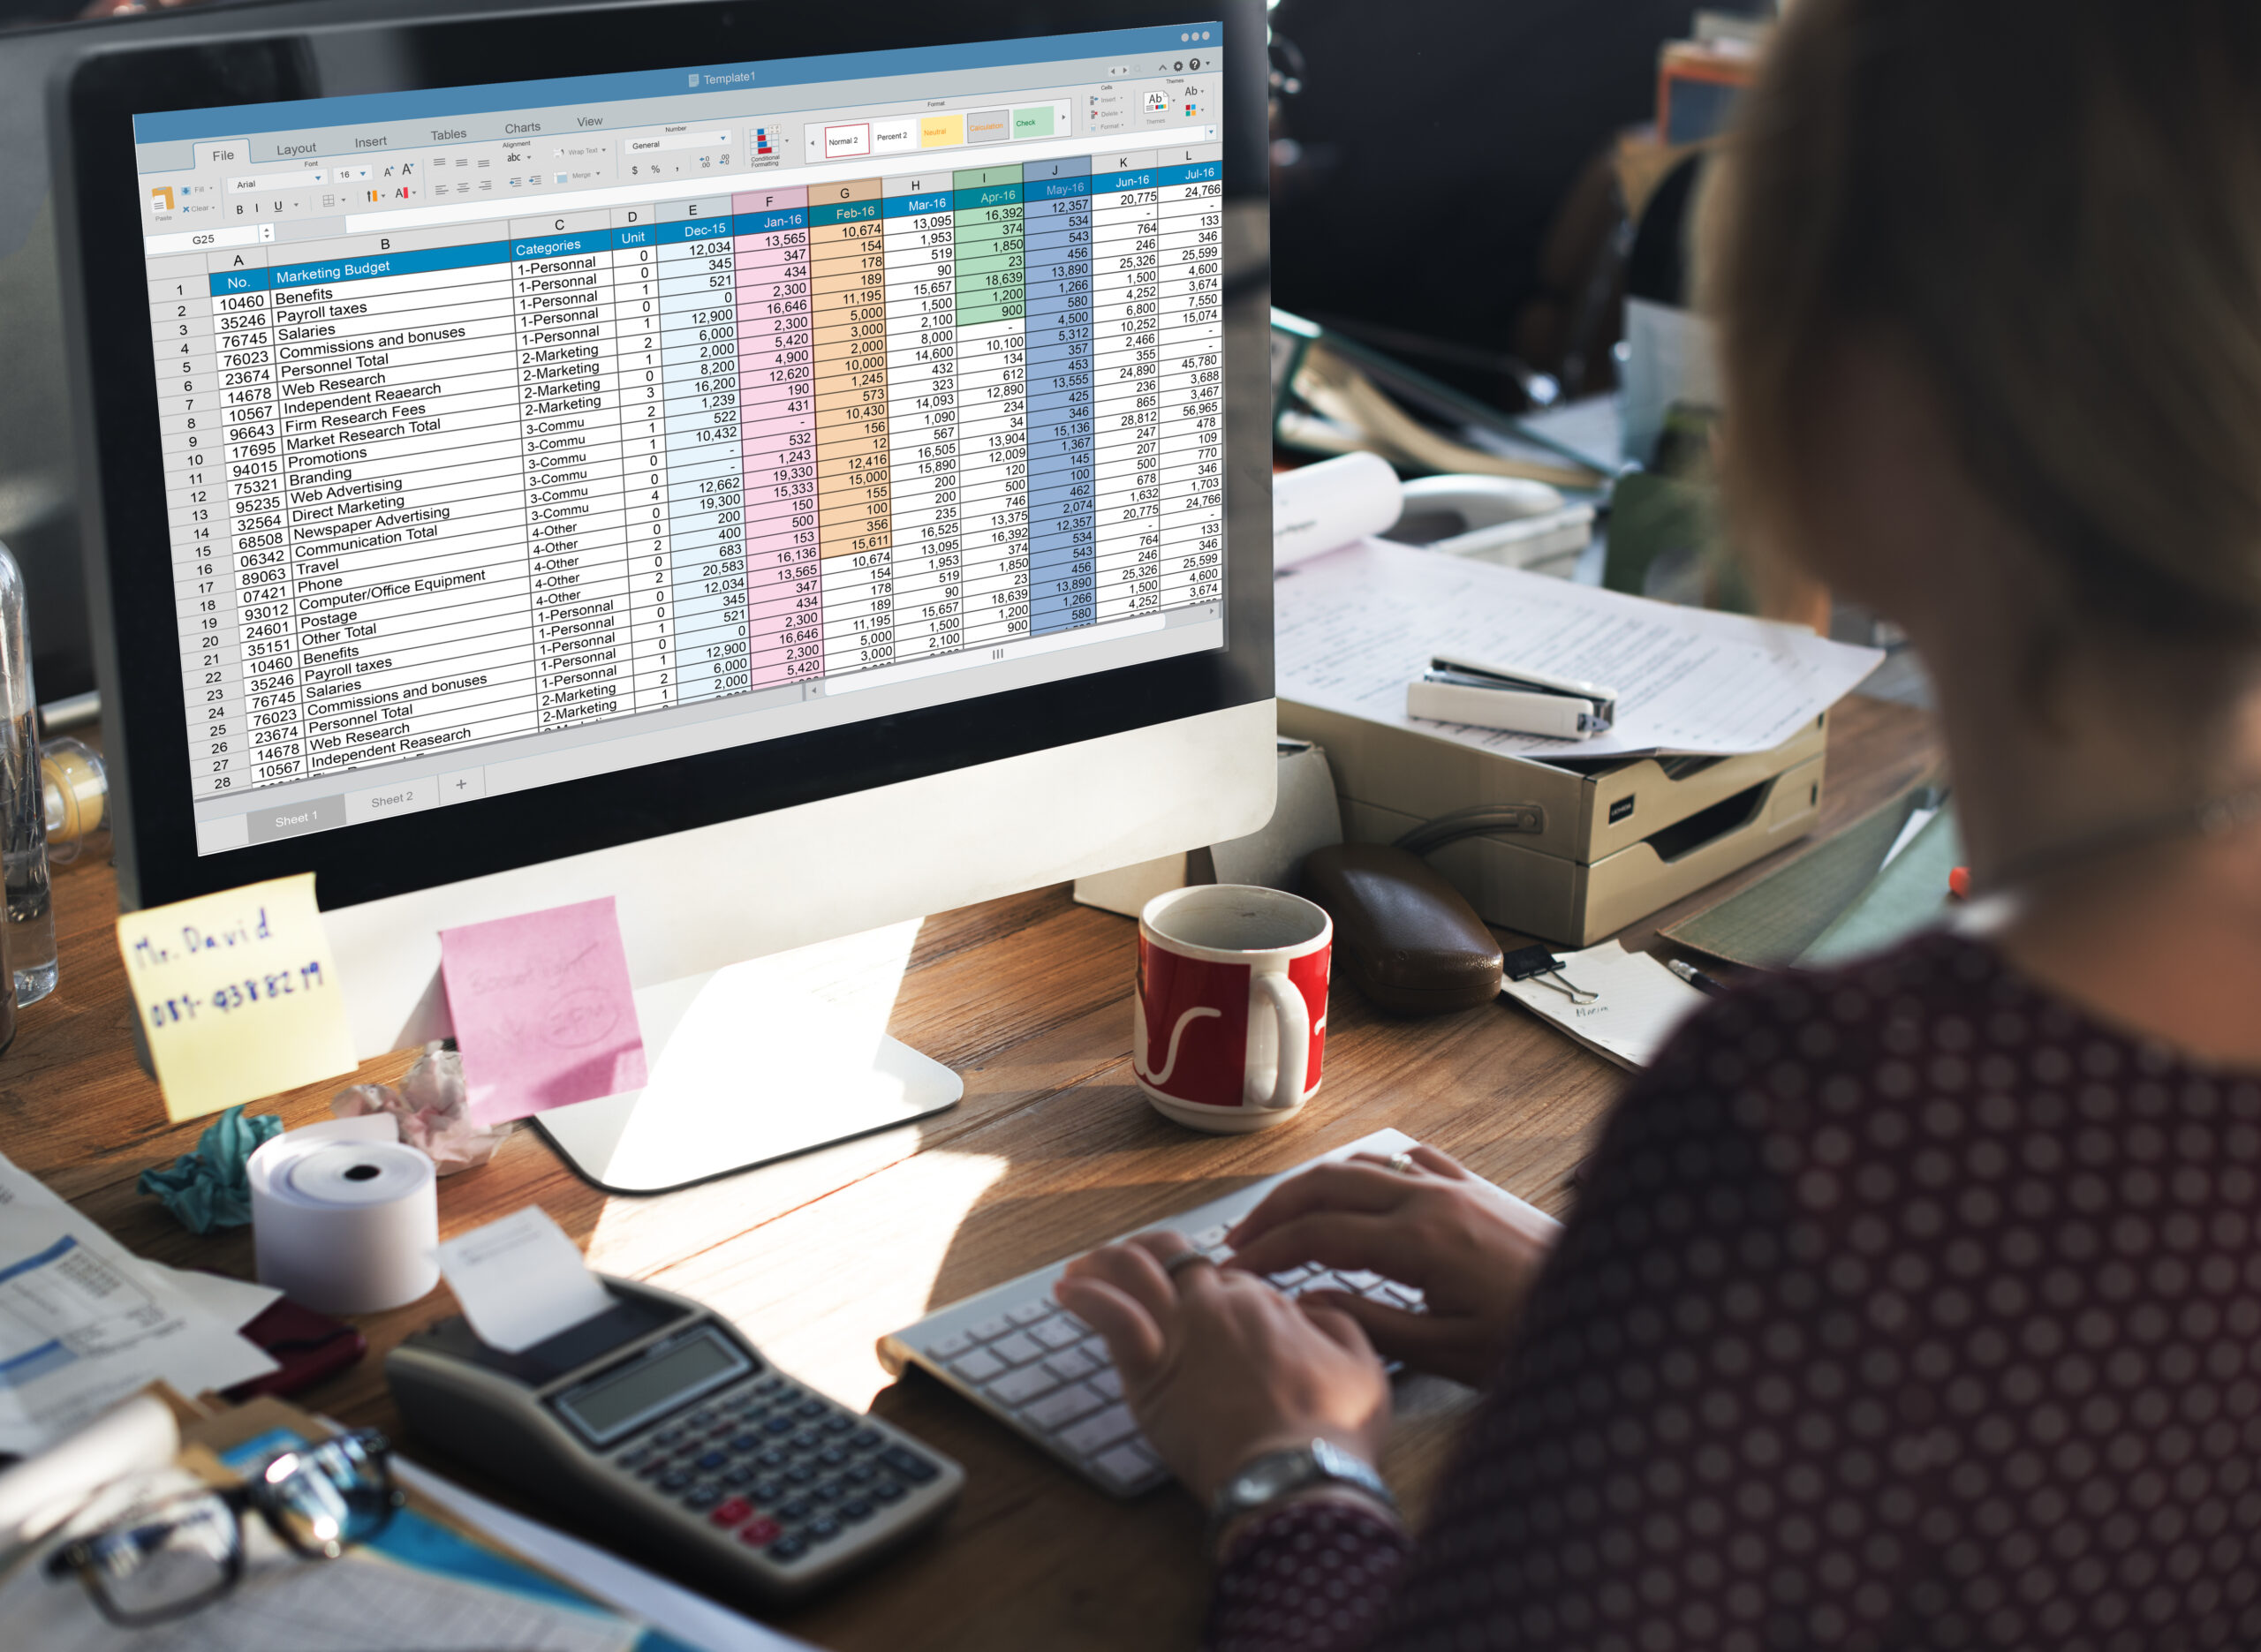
<point x="1696" y="978"/>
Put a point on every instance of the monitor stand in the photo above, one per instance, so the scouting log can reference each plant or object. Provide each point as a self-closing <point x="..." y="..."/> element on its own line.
<point x="758" y="1062"/>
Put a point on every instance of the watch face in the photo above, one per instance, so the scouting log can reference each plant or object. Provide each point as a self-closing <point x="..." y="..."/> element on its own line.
<point x="1269" y="1476"/>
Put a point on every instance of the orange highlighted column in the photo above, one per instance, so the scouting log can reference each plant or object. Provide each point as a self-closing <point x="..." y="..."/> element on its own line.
<point x="848" y="284"/>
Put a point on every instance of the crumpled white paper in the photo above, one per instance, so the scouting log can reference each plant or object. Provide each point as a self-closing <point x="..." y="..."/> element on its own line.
<point x="434" y="1110"/>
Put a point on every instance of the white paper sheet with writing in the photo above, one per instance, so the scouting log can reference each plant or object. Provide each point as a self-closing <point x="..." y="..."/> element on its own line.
<point x="84" y="1322"/>
<point x="1353" y="627"/>
<point x="1638" y="1004"/>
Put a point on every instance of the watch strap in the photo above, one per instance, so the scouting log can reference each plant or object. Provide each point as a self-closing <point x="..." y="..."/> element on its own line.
<point x="1287" y="1472"/>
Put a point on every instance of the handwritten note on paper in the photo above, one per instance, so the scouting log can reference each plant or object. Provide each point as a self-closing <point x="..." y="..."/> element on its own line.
<point x="543" y="1010"/>
<point x="238" y="994"/>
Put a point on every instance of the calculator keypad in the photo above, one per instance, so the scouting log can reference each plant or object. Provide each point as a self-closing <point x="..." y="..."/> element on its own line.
<point x="775" y="1467"/>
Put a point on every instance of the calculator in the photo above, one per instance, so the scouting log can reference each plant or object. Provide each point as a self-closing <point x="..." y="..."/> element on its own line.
<point x="670" y="1437"/>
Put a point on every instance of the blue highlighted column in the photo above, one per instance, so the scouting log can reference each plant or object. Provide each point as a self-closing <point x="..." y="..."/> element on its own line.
<point x="699" y="347"/>
<point x="1061" y="534"/>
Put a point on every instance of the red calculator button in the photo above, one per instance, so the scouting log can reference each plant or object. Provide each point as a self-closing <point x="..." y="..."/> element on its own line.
<point x="761" y="1533"/>
<point x="732" y="1512"/>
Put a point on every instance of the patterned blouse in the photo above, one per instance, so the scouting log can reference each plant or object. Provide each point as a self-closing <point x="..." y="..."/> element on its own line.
<point x="1906" y="1305"/>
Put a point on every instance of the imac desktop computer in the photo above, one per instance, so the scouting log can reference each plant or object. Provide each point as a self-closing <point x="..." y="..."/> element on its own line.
<point x="789" y="469"/>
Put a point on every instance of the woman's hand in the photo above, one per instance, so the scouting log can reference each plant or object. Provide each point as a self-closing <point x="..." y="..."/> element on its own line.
<point x="1218" y="1366"/>
<point x="1471" y="1249"/>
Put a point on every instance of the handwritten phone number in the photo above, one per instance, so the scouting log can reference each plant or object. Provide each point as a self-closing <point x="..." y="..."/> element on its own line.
<point x="232" y="995"/>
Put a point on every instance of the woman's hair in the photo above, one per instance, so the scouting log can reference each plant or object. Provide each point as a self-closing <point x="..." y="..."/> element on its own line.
<point x="2055" y="207"/>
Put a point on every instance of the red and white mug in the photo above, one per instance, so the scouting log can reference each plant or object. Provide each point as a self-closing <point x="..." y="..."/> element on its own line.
<point x="1230" y="1016"/>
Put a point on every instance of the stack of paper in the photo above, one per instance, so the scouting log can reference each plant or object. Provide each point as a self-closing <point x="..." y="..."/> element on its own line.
<point x="84" y="1322"/>
<point x="1353" y="627"/>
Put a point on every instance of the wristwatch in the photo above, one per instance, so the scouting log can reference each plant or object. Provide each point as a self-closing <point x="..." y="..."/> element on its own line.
<point x="1276" y="1475"/>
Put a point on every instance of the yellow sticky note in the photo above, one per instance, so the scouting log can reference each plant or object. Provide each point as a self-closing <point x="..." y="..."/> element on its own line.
<point x="238" y="994"/>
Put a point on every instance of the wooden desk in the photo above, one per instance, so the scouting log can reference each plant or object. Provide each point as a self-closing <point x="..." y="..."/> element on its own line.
<point x="1052" y="1150"/>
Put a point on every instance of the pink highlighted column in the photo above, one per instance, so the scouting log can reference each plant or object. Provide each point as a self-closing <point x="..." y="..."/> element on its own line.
<point x="777" y="414"/>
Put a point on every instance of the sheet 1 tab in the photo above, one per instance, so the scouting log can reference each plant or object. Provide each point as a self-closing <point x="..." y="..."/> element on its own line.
<point x="543" y="1011"/>
<point x="238" y="994"/>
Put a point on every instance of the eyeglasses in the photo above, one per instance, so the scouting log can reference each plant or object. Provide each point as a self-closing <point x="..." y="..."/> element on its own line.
<point x="187" y="1552"/>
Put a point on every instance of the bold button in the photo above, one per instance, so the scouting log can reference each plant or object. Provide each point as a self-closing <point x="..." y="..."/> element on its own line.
<point x="761" y="1531"/>
<point x="732" y="1512"/>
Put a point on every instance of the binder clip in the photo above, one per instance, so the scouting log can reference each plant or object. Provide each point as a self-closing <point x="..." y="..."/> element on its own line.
<point x="1528" y="963"/>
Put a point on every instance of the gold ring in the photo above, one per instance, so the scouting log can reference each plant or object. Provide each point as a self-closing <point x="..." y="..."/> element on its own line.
<point x="1184" y="1259"/>
<point x="1402" y="1163"/>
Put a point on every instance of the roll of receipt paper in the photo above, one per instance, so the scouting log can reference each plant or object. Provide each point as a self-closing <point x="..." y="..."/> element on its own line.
<point x="1326" y="506"/>
<point x="345" y="1216"/>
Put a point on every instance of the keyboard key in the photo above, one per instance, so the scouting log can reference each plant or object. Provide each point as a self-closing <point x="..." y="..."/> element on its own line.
<point x="1057" y="1333"/>
<point x="1029" y="1313"/>
<point x="1359" y="1279"/>
<point x="888" y="1491"/>
<point x="988" y="1330"/>
<point x="810" y="1410"/>
<point x="740" y="1475"/>
<point x="1127" y="1465"/>
<point x="667" y="1437"/>
<point x="780" y="1425"/>
<point x="1210" y="1237"/>
<point x="1095" y="1433"/>
<point x="1288" y="1279"/>
<point x="699" y="1499"/>
<point x="1057" y="1411"/>
<point x="1096" y="1348"/>
<point x="635" y="1460"/>
<point x="866" y="1440"/>
<point x="838" y="1422"/>
<point x="731" y="1511"/>
<point x="979" y="1366"/>
<point x="1071" y="1321"/>
<point x="794" y="1511"/>
<point x="827" y="1491"/>
<point x="951" y="1347"/>
<point x="744" y="1442"/>
<point x="800" y="1474"/>
<point x="767" y="1491"/>
<point x="822" y="1530"/>
<point x="806" y="1441"/>
<point x="1018" y="1349"/>
<point x="1110" y="1382"/>
<point x="702" y="1418"/>
<point x="832" y="1456"/>
<point x="674" y="1479"/>
<point x="910" y="1464"/>
<point x="764" y="1530"/>
<point x="861" y="1474"/>
<point x="1071" y="1365"/>
<point x="855" y="1509"/>
<point x="712" y="1460"/>
<point x="788" y="1549"/>
<point x="1016" y="1388"/>
<point x="773" y="1458"/>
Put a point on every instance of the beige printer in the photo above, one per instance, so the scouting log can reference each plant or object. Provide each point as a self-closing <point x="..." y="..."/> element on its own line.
<point x="1587" y="846"/>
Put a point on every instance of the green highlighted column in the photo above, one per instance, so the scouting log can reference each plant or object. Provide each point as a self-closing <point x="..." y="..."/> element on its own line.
<point x="992" y="401"/>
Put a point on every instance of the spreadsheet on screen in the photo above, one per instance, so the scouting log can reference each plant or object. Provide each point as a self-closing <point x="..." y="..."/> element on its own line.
<point x="520" y="432"/>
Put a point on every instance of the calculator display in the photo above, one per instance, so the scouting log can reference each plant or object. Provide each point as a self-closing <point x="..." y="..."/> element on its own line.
<point x="616" y="1402"/>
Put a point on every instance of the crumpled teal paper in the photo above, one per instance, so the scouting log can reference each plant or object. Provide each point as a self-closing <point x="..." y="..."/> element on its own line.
<point x="209" y="1189"/>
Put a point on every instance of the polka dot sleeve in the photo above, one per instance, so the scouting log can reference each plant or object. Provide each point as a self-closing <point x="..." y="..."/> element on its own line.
<point x="1906" y="1305"/>
<point x="1312" y="1576"/>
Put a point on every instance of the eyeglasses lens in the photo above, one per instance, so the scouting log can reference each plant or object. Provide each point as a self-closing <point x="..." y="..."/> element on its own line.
<point x="181" y="1555"/>
<point x="335" y="1495"/>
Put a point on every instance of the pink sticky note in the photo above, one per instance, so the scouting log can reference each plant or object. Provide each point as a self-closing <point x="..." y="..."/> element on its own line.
<point x="544" y="1013"/>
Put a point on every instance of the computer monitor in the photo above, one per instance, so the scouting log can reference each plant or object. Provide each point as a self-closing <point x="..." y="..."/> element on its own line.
<point x="789" y="469"/>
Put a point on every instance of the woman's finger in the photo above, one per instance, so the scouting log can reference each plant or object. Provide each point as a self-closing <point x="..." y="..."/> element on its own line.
<point x="1135" y="1271"/>
<point x="1346" y="1186"/>
<point x="1392" y="1331"/>
<point x="1343" y="1329"/>
<point x="1437" y="1164"/>
<point x="1384" y="1244"/>
<point x="1132" y="1336"/>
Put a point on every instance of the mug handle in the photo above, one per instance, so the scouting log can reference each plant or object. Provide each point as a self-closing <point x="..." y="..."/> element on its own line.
<point x="1294" y="1018"/>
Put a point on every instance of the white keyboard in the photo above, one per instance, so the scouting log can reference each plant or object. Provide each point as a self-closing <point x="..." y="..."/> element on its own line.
<point x="1038" y="1368"/>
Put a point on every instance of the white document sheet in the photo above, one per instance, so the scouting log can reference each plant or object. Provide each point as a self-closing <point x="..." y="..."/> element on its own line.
<point x="84" y="1322"/>
<point x="1640" y="1007"/>
<point x="1353" y="627"/>
<point x="363" y="1602"/>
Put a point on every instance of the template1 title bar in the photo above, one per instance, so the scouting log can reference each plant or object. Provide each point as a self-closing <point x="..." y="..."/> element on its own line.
<point x="441" y="102"/>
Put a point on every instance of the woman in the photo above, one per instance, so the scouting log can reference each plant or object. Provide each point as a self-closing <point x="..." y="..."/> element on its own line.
<point x="1917" y="1303"/>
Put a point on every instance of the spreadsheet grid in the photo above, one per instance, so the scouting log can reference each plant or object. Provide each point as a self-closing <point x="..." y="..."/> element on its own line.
<point x="561" y="471"/>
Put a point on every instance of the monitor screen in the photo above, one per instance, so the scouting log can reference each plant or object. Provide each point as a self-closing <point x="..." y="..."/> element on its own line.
<point x="515" y="434"/>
